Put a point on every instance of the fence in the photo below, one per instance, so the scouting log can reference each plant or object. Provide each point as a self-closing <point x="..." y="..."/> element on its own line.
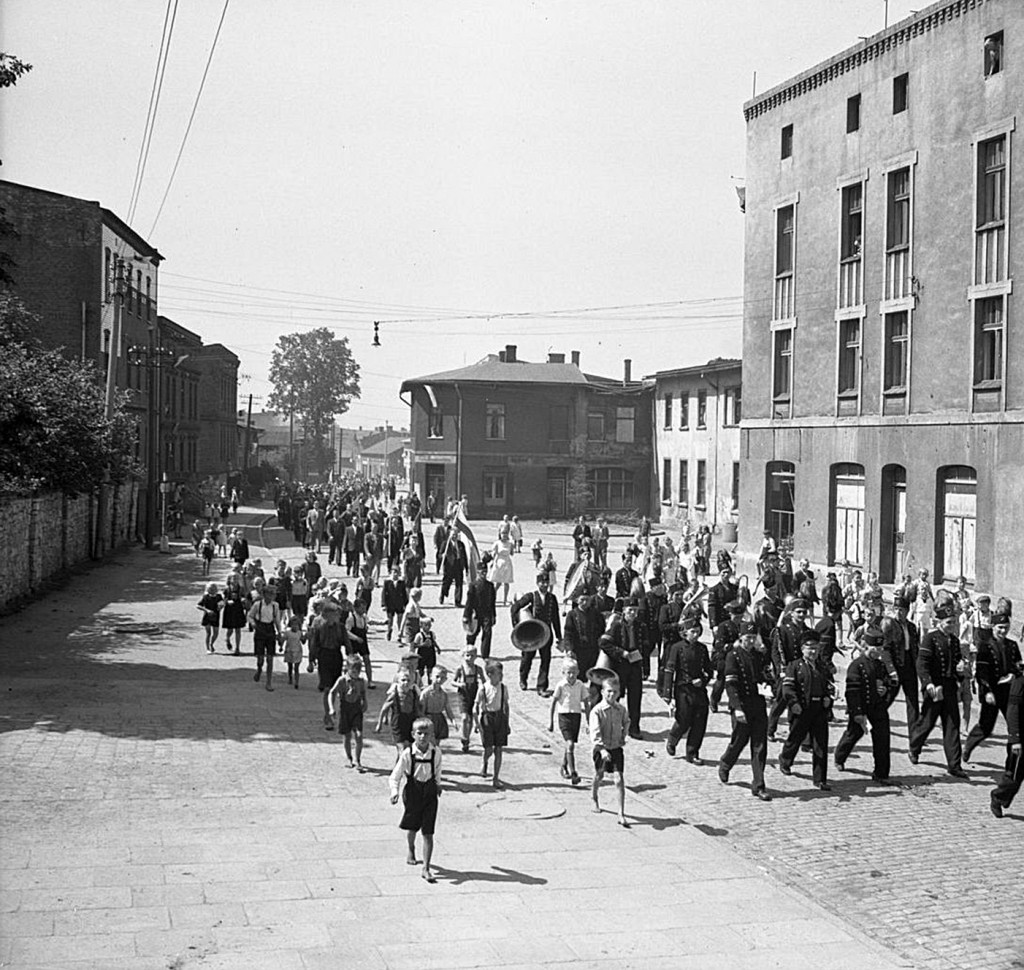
<point x="44" y="535"/>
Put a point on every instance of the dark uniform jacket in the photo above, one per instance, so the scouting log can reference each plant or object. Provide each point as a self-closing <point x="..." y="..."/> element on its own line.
<point x="541" y="608"/>
<point x="804" y="682"/>
<point x="481" y="601"/>
<point x="719" y="596"/>
<point x="1015" y="711"/>
<point x="744" y="670"/>
<point x="624" y="582"/>
<point x="902" y="640"/>
<point x="867" y="686"/>
<point x="766" y="615"/>
<point x="937" y="658"/>
<point x="625" y="636"/>
<point x="726" y="634"/>
<point x="994" y="661"/>
<point x="668" y="620"/>
<point x="583" y="629"/>
<point x="394" y="597"/>
<point x="686" y="662"/>
<point x="785" y="647"/>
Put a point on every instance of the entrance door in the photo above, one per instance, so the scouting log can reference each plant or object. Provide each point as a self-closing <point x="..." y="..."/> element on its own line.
<point x="959" y="510"/>
<point x="892" y="561"/>
<point x="435" y="484"/>
<point x="848" y="512"/>
<point x="556" y="494"/>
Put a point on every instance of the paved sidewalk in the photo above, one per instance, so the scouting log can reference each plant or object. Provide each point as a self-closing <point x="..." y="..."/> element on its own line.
<point x="160" y="810"/>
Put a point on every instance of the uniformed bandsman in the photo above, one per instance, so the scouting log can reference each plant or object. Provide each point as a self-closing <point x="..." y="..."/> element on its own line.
<point x="683" y="684"/>
<point x="805" y="691"/>
<point x="997" y="662"/>
<point x="868" y="695"/>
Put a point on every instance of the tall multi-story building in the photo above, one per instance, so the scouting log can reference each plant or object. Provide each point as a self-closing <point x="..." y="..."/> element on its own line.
<point x="531" y="438"/>
<point x="697" y="414"/>
<point x="883" y="372"/>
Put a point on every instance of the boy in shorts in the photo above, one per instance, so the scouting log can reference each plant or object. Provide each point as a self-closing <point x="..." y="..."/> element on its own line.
<point x="609" y="727"/>
<point x="350" y="689"/>
<point x="419" y="768"/>
<point x="568" y="700"/>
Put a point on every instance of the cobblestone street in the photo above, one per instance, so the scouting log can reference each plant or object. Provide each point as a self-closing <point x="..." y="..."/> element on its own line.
<point x="161" y="810"/>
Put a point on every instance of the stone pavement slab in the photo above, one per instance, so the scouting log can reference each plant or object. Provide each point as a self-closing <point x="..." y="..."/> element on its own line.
<point x="162" y="810"/>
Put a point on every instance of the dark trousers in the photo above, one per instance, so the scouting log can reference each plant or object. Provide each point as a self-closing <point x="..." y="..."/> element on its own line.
<point x="911" y="697"/>
<point x="812" y="721"/>
<point x="778" y="708"/>
<point x="351" y="562"/>
<point x="719" y="687"/>
<point x="527" y="662"/>
<point x="446" y="585"/>
<point x="752" y="731"/>
<point x="1009" y="784"/>
<point x="986" y="720"/>
<point x="484" y="632"/>
<point x="948" y="712"/>
<point x="631" y="686"/>
<point x="878" y="718"/>
<point x="691" y="718"/>
<point x="334" y="551"/>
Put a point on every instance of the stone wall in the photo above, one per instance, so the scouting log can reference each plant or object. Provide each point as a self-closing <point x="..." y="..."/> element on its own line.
<point x="44" y="535"/>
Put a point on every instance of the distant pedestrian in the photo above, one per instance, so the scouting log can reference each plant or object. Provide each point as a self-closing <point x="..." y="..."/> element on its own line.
<point x="293" y="639"/>
<point x="426" y="646"/>
<point x="233" y="618"/>
<point x="394" y="598"/>
<point x="207" y="550"/>
<point x="416" y="778"/>
<point x="211" y="604"/>
<point x="609" y="727"/>
<point x="265" y="621"/>
<point x="516" y="534"/>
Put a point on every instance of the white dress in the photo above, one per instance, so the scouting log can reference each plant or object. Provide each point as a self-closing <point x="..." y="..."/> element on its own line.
<point x="501" y="564"/>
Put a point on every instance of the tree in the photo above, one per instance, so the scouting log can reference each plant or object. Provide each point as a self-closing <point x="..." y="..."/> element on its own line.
<point x="54" y="429"/>
<point x="315" y="378"/>
<point x="11" y="68"/>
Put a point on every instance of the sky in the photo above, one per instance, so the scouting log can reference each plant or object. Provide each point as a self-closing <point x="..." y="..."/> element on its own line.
<point x="555" y="175"/>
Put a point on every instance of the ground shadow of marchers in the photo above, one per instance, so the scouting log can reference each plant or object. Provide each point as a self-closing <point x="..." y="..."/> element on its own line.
<point x="497" y="874"/>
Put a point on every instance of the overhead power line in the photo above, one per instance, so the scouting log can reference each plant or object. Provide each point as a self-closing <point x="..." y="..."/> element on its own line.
<point x="191" y="117"/>
<point x="170" y="14"/>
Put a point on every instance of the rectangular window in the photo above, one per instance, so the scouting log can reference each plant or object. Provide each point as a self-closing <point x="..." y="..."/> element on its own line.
<point x="435" y="423"/>
<point x="624" y="425"/>
<point x="559" y="417"/>
<point x="702" y="409"/>
<point x="732" y="413"/>
<point x="495" y="422"/>
<point x="849" y="357"/>
<point x="853" y="221"/>
<point x="782" y="371"/>
<point x="595" y="426"/>
<point x="897" y="336"/>
<point x="787" y="141"/>
<point x="684" y="481"/>
<point x="897" y="228"/>
<point x="107" y="277"/>
<point x="900" y="93"/>
<point x="853" y="113"/>
<point x="666" y="480"/>
<point x="138" y="292"/>
<point x="988" y="340"/>
<point x="684" y="411"/>
<point x="783" y="307"/>
<point x="993" y="54"/>
<point x="702" y="483"/>
<point x="668" y="412"/>
<point x="992" y="182"/>
<point x="735" y="485"/>
<point x="149" y="299"/>
<point x="494" y="488"/>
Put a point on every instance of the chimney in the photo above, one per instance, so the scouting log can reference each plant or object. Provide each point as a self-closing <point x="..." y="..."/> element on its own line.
<point x="556" y="358"/>
<point x="510" y="353"/>
<point x="576" y="358"/>
<point x="501" y="356"/>
<point x="627" y="371"/>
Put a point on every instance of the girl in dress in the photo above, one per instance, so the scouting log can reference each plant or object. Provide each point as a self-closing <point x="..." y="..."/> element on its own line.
<point x="502" y="572"/>
<point x="234" y="611"/>
<point x="210" y="604"/>
<point x="435" y="705"/>
<point x="293" y="638"/>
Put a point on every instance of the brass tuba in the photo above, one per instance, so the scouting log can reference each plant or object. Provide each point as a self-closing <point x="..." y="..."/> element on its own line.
<point x="530" y="635"/>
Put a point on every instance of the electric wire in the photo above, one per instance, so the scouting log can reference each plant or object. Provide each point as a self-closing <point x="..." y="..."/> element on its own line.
<point x="191" y="117"/>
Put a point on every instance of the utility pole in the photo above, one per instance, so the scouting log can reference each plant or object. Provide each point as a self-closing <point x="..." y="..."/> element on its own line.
<point x="248" y="427"/>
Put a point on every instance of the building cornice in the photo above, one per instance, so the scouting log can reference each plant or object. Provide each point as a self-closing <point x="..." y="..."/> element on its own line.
<point x="937" y="15"/>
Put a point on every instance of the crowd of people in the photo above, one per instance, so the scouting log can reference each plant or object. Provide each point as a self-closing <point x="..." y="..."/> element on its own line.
<point x="771" y="652"/>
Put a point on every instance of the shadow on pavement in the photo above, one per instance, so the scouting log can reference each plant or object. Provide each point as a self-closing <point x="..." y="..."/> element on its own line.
<point x="496" y="874"/>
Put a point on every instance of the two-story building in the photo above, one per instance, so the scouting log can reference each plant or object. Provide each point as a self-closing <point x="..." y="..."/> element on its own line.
<point x="696" y="417"/>
<point x="536" y="439"/>
<point x="883" y="382"/>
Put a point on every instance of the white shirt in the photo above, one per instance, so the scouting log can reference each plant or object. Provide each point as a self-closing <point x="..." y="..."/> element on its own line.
<point x="569" y="698"/>
<point x="421" y="772"/>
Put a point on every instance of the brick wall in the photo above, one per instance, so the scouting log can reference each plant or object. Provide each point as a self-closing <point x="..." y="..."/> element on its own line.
<point x="45" y="535"/>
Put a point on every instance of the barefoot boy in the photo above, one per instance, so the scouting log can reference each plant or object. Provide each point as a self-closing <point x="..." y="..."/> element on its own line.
<point x="609" y="725"/>
<point x="350" y="689"/>
<point x="419" y="767"/>
<point x="568" y="701"/>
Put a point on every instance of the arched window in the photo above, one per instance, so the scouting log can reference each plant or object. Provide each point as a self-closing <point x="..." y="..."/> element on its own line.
<point x="779" y="492"/>
<point x="956" y="521"/>
<point x="847" y="501"/>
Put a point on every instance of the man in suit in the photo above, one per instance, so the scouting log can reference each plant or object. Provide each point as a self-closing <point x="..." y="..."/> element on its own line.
<point x="581" y="532"/>
<point x="997" y="663"/>
<point x="481" y="611"/>
<point x="542" y="605"/>
<point x="940" y="668"/>
<point x="454" y="566"/>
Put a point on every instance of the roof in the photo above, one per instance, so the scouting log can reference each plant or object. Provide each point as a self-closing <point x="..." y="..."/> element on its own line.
<point x="492" y="370"/>
<point x="393" y="444"/>
<point x="716" y="366"/>
<point x="868" y="49"/>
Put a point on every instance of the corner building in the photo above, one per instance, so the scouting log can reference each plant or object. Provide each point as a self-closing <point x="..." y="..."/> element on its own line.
<point x="883" y="359"/>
